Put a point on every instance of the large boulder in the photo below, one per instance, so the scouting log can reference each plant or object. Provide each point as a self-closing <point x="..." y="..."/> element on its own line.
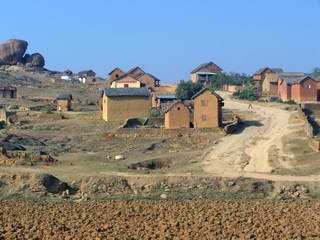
<point x="34" y="60"/>
<point x="12" y="51"/>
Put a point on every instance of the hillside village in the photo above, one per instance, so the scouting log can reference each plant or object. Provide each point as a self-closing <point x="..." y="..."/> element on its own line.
<point x="88" y="130"/>
<point x="160" y="120"/>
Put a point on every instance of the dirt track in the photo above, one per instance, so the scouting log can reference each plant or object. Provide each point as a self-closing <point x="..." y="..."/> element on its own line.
<point x="160" y="220"/>
<point x="247" y="153"/>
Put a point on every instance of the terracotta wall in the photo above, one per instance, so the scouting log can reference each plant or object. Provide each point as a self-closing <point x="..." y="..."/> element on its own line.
<point x="178" y="117"/>
<point x="207" y="111"/>
<point x="148" y="80"/>
<point x="116" y="74"/>
<point x="284" y="91"/>
<point x="63" y="105"/>
<point x="122" y="108"/>
<point x="232" y="88"/>
<point x="135" y="84"/>
<point x="305" y="91"/>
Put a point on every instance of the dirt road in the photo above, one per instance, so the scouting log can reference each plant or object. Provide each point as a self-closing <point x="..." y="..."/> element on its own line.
<point x="248" y="152"/>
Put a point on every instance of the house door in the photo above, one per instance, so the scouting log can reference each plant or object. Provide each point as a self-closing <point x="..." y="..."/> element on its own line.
<point x="318" y="95"/>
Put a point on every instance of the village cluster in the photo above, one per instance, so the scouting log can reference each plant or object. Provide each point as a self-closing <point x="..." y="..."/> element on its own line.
<point x="132" y="94"/>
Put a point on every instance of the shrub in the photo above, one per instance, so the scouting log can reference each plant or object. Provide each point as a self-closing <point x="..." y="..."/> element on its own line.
<point x="155" y="113"/>
<point x="290" y="102"/>
<point x="221" y="79"/>
<point x="249" y="92"/>
<point x="186" y="89"/>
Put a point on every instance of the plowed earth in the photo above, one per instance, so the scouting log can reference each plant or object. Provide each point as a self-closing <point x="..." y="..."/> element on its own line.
<point x="160" y="220"/>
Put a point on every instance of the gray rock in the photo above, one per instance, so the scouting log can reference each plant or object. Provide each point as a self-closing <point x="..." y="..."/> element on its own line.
<point x="34" y="60"/>
<point x="12" y="51"/>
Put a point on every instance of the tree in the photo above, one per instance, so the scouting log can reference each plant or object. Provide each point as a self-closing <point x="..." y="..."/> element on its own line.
<point x="186" y="89"/>
<point x="221" y="79"/>
<point x="249" y="92"/>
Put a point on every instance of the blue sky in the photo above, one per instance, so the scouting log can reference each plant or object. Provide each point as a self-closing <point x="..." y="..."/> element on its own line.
<point x="167" y="37"/>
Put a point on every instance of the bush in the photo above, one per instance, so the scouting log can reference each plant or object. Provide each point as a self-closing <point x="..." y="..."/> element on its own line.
<point x="155" y="113"/>
<point x="221" y="79"/>
<point x="186" y="89"/>
<point x="249" y="92"/>
<point x="290" y="102"/>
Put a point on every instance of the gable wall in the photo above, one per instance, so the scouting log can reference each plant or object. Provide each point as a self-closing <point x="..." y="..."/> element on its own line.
<point x="122" y="108"/>
<point x="305" y="91"/>
<point x="178" y="117"/>
<point x="208" y="115"/>
<point x="116" y="74"/>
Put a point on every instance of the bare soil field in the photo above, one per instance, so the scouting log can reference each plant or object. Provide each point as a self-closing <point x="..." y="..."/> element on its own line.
<point x="160" y="220"/>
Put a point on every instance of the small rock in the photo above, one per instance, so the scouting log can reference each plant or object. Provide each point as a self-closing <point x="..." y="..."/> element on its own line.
<point x="231" y="184"/>
<point x="119" y="157"/>
<point x="163" y="196"/>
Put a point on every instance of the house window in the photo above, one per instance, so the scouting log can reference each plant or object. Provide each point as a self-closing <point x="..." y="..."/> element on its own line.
<point x="126" y="85"/>
<point x="117" y="75"/>
<point x="204" y="103"/>
<point x="204" y="117"/>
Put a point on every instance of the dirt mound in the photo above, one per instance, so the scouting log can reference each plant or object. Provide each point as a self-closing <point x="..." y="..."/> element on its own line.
<point x="15" y="142"/>
<point x="31" y="184"/>
<point x="19" y="150"/>
<point x="105" y="186"/>
<point x="53" y="184"/>
<point x="133" y="123"/>
<point x="148" y="165"/>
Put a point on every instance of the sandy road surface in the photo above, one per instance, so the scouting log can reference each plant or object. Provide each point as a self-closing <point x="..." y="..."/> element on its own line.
<point x="247" y="153"/>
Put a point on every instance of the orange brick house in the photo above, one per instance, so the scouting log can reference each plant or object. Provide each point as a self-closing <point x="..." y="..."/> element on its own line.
<point x="132" y="79"/>
<point x="298" y="87"/>
<point x="266" y="80"/>
<point x="127" y="81"/>
<point x="204" y="73"/>
<point x="177" y="116"/>
<point x="119" y="104"/>
<point x="63" y="102"/>
<point x="114" y="74"/>
<point x="207" y="109"/>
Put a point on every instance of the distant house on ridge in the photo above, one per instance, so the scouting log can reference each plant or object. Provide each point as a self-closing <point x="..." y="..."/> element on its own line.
<point x="204" y="73"/>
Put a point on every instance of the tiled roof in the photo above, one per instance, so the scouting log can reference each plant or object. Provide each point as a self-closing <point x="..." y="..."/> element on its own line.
<point x="207" y="67"/>
<point x="136" y="72"/>
<point x="173" y="104"/>
<point x="167" y="97"/>
<point x="293" y="77"/>
<point x="118" y="92"/>
<point x="205" y="89"/>
<point x="64" y="97"/>
<point x="262" y="70"/>
<point x="115" y="70"/>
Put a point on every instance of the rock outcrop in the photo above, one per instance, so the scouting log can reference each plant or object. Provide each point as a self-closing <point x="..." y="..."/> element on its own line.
<point x="34" y="60"/>
<point x="12" y="51"/>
